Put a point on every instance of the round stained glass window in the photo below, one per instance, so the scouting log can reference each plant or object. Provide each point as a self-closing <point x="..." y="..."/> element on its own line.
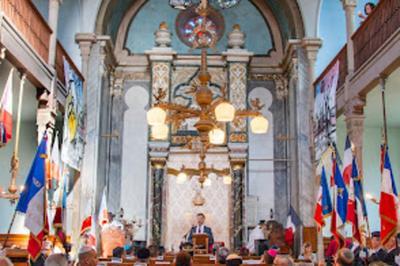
<point x="197" y="31"/>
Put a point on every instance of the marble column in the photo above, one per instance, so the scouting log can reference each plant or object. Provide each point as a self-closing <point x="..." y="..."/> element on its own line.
<point x="238" y="59"/>
<point x="349" y="7"/>
<point x="238" y="158"/>
<point x="354" y="118"/>
<point x="97" y="65"/>
<point x="158" y="159"/>
<point x="115" y="136"/>
<point x="54" y="7"/>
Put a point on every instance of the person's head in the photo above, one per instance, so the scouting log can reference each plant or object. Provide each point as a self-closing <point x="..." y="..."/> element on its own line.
<point x="368" y="8"/>
<point x="269" y="256"/>
<point x="307" y="248"/>
<point x="118" y="252"/>
<point x="375" y="240"/>
<point x="344" y="257"/>
<point x="143" y="254"/>
<point x="87" y="256"/>
<point x="222" y="254"/>
<point x="4" y="261"/>
<point x="56" y="260"/>
<point x="233" y="260"/>
<point x="200" y="218"/>
<point x="281" y="260"/>
<point x="183" y="259"/>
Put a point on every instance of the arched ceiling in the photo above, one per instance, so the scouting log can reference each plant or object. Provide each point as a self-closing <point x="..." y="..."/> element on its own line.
<point x="286" y="13"/>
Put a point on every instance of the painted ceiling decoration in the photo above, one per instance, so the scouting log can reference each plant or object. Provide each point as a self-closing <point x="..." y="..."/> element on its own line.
<point x="183" y="4"/>
<point x="285" y="14"/>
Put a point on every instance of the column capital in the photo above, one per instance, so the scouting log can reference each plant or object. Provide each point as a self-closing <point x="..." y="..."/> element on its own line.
<point x="312" y="46"/>
<point x="158" y="150"/>
<point x="85" y="42"/>
<point x="349" y="3"/>
<point x="238" y="152"/>
<point x="238" y="55"/>
<point x="355" y="106"/>
<point x="160" y="54"/>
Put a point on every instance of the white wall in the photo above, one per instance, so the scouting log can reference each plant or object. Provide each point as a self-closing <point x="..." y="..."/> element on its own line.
<point x="134" y="157"/>
<point x="261" y="173"/>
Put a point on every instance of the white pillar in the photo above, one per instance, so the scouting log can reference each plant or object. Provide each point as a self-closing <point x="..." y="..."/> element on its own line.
<point x="54" y="7"/>
<point x="349" y="7"/>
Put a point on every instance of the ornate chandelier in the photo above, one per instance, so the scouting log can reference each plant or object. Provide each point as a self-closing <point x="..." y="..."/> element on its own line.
<point x="212" y="114"/>
<point x="203" y="172"/>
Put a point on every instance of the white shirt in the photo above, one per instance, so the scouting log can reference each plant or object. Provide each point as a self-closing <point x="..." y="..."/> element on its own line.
<point x="256" y="234"/>
<point x="200" y="229"/>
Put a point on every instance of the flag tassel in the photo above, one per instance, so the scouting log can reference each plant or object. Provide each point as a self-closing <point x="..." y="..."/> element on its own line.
<point x="15" y="159"/>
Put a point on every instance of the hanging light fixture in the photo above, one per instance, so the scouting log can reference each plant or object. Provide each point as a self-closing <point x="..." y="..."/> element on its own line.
<point x="156" y="116"/>
<point x="217" y="136"/>
<point x="227" y="179"/>
<point x="181" y="178"/>
<point x="208" y="182"/>
<point x="159" y="132"/>
<point x="259" y="125"/>
<point x="225" y="112"/>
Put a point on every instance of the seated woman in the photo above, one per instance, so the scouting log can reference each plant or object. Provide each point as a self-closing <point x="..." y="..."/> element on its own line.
<point x="308" y="254"/>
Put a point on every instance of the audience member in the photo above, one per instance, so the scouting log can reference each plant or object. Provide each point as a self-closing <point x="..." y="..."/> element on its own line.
<point x="222" y="254"/>
<point x="56" y="260"/>
<point x="308" y="254"/>
<point x="368" y="8"/>
<point x="233" y="260"/>
<point x="183" y="259"/>
<point x="392" y="251"/>
<point x="143" y="255"/>
<point x="344" y="257"/>
<point x="87" y="256"/>
<point x="281" y="260"/>
<point x="4" y="261"/>
<point x="269" y="256"/>
<point x="118" y="254"/>
<point x="376" y="253"/>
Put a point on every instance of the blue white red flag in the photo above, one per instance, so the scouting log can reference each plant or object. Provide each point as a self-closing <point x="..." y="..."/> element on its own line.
<point x="389" y="202"/>
<point x="323" y="207"/>
<point x="32" y="201"/>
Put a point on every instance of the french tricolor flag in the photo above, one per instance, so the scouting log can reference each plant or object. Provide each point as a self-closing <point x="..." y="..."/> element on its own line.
<point x="32" y="201"/>
<point x="6" y="107"/>
<point x="323" y="207"/>
<point x="347" y="161"/>
<point x="389" y="203"/>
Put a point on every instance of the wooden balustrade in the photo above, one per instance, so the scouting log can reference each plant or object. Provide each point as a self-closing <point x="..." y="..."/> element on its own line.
<point x="60" y="54"/>
<point x="29" y="22"/>
<point x="375" y="30"/>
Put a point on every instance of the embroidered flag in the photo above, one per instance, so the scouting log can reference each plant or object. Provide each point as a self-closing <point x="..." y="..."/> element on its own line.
<point x="323" y="207"/>
<point x="6" y="108"/>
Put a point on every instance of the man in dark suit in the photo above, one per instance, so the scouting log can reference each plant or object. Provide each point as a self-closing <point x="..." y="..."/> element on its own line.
<point x="200" y="228"/>
<point x="392" y="251"/>
<point x="377" y="252"/>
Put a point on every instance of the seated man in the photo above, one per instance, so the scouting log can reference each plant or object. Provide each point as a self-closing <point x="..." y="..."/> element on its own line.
<point x="117" y="254"/>
<point x="87" y="256"/>
<point x="56" y="260"/>
<point x="143" y="256"/>
<point x="200" y="228"/>
<point x="234" y="260"/>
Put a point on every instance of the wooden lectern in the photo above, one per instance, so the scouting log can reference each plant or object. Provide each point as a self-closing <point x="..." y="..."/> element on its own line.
<point x="200" y="243"/>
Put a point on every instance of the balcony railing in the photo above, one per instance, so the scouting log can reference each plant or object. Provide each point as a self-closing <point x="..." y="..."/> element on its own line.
<point x="377" y="28"/>
<point x="60" y="54"/>
<point x="28" y="21"/>
<point x="369" y="37"/>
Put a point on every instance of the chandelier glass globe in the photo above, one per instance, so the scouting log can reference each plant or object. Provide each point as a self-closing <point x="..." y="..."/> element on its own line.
<point x="181" y="178"/>
<point x="225" y="112"/>
<point x="227" y="179"/>
<point x="216" y="136"/>
<point x="207" y="182"/>
<point x="259" y="125"/>
<point x="156" y="116"/>
<point x="159" y="132"/>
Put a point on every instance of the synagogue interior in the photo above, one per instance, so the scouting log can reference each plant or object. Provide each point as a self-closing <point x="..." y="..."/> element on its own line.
<point x="199" y="132"/>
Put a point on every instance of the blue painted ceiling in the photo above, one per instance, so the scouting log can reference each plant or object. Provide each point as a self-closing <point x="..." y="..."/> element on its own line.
<point x="140" y="34"/>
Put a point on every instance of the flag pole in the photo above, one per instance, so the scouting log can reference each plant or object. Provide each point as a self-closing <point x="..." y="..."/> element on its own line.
<point x="15" y="159"/>
<point x="382" y="81"/>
